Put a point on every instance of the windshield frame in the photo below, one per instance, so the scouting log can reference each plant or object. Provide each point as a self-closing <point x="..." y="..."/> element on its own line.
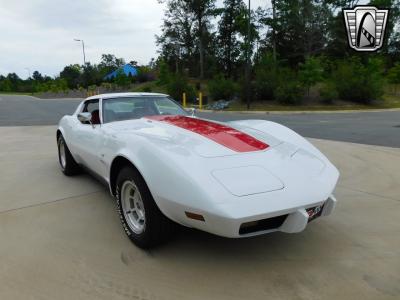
<point x="103" y="100"/>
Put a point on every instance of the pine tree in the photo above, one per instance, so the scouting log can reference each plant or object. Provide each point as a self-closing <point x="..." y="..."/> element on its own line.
<point x="230" y="34"/>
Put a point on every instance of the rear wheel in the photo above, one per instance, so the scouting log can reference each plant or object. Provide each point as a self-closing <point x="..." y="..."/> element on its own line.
<point x="141" y="219"/>
<point x="67" y="163"/>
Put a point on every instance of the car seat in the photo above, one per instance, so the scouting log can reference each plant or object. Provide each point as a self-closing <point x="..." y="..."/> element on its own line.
<point x="95" y="117"/>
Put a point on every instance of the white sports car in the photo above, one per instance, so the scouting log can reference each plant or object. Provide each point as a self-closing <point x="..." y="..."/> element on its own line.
<point x="166" y="166"/>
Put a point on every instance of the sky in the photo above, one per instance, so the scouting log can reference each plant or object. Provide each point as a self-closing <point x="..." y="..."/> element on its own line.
<point x="39" y="34"/>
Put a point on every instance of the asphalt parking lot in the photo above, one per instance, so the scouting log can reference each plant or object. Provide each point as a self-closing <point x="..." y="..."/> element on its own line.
<point x="373" y="128"/>
<point x="61" y="237"/>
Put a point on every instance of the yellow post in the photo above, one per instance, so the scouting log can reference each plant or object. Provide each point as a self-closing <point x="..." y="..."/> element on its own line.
<point x="200" y="100"/>
<point x="184" y="99"/>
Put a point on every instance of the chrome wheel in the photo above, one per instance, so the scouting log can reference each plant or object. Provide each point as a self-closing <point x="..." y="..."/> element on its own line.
<point x="132" y="207"/>
<point x="61" y="151"/>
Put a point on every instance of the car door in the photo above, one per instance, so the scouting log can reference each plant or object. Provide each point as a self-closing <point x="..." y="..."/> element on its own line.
<point x="89" y="138"/>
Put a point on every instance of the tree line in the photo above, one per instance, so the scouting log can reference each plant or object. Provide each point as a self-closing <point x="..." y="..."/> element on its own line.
<point x="77" y="76"/>
<point x="294" y="46"/>
<point x="291" y="51"/>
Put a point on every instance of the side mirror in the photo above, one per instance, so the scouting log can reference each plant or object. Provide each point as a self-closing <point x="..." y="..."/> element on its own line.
<point x="85" y="117"/>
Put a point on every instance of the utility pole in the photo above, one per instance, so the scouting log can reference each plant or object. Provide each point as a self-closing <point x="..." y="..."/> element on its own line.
<point x="83" y="50"/>
<point x="273" y="30"/>
<point x="247" y="74"/>
<point x="201" y="46"/>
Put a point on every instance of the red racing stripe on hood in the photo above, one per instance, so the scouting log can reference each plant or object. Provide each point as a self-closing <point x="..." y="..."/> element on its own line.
<point x="229" y="137"/>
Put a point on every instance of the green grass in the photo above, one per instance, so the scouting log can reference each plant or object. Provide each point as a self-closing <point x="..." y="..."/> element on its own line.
<point x="388" y="101"/>
<point x="16" y="93"/>
<point x="391" y="99"/>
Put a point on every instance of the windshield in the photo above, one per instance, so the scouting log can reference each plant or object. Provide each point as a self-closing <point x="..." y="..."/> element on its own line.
<point x="128" y="108"/>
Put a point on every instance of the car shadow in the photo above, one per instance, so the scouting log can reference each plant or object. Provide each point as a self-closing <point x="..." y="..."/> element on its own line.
<point x="190" y="244"/>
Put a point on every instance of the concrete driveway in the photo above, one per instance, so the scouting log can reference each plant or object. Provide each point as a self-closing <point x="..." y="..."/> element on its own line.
<point x="61" y="237"/>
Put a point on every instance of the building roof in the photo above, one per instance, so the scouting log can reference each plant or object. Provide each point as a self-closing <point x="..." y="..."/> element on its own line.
<point x="127" y="69"/>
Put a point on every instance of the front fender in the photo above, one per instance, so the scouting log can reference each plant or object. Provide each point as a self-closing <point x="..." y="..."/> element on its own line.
<point x="282" y="133"/>
<point x="171" y="176"/>
<point x="61" y="125"/>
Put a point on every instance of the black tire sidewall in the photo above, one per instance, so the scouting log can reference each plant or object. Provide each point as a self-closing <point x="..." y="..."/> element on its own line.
<point x="59" y="141"/>
<point x="130" y="174"/>
<point x="71" y="167"/>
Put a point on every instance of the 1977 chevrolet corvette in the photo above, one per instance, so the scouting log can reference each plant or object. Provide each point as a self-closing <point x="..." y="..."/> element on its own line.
<point x="166" y="166"/>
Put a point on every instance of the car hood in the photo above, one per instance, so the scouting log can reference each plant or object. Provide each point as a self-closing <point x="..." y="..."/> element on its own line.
<point x="203" y="137"/>
<point x="267" y="164"/>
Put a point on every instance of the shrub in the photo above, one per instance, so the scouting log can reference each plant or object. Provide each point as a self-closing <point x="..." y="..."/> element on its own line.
<point x="290" y="93"/>
<point x="5" y="85"/>
<point x="328" y="92"/>
<point x="177" y="85"/>
<point x="145" y="74"/>
<point x="222" y="88"/>
<point x="359" y="82"/>
<point x="146" y="89"/>
<point x="59" y="85"/>
<point x="243" y="90"/>
<point x="163" y="73"/>
<point x="121" y="79"/>
<point x="107" y="86"/>
<point x="310" y="73"/>
<point x="289" y="89"/>
<point x="394" y="76"/>
<point x="266" y="79"/>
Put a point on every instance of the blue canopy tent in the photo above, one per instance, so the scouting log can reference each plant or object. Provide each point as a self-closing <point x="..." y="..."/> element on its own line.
<point x="128" y="70"/>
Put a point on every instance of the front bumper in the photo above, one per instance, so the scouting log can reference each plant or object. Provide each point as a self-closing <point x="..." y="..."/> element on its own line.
<point x="289" y="221"/>
<point x="298" y="220"/>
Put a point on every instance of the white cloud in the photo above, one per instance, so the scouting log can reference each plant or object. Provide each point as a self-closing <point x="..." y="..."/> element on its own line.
<point x="38" y="34"/>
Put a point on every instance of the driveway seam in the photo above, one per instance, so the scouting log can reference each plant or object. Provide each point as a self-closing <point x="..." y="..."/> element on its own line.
<point x="49" y="202"/>
<point x="369" y="193"/>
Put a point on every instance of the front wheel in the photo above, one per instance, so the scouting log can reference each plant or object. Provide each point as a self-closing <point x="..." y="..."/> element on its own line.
<point x="67" y="163"/>
<point x="141" y="219"/>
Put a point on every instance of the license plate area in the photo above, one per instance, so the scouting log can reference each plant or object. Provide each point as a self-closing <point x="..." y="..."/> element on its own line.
<point x="314" y="212"/>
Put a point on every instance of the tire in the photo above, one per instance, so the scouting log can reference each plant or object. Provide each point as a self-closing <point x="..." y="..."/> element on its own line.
<point x="67" y="163"/>
<point x="142" y="220"/>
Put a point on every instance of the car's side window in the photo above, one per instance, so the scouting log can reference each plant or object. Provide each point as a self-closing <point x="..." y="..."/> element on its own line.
<point x="92" y="106"/>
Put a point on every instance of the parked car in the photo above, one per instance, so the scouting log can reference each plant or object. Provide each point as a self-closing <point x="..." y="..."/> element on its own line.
<point x="166" y="166"/>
